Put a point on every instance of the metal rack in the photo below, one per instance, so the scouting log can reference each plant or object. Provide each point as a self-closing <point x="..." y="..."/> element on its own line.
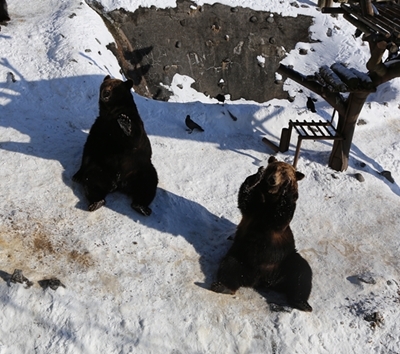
<point x="321" y="130"/>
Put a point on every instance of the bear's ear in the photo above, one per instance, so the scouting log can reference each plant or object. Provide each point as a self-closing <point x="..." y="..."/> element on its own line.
<point x="107" y="77"/>
<point x="272" y="159"/>
<point x="299" y="176"/>
<point x="129" y="83"/>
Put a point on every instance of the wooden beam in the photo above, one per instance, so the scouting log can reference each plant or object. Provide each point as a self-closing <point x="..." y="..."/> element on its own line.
<point x="358" y="24"/>
<point x="332" y="10"/>
<point x="366" y="21"/>
<point x="366" y="7"/>
<point x="377" y="50"/>
<point x="333" y="98"/>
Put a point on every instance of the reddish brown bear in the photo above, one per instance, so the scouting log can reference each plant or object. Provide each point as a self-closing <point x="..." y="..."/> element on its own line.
<point x="117" y="153"/>
<point x="263" y="254"/>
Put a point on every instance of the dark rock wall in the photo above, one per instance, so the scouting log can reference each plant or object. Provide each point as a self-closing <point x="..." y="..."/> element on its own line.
<point x="214" y="44"/>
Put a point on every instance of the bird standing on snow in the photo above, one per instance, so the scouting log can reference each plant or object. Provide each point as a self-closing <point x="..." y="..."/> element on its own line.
<point x="220" y="98"/>
<point x="192" y="125"/>
<point x="311" y="105"/>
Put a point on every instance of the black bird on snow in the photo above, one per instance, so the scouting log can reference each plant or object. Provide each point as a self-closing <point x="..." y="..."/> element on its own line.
<point x="311" y="105"/>
<point x="220" y="98"/>
<point x="192" y="125"/>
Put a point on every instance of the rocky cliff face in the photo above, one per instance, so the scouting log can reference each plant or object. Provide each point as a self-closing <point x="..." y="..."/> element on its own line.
<point x="225" y="50"/>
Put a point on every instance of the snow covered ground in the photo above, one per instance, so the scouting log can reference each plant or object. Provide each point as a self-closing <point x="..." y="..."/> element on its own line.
<point x="140" y="285"/>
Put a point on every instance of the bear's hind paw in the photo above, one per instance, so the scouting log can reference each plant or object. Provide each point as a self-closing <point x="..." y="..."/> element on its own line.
<point x="96" y="205"/>
<point x="78" y="177"/>
<point x="218" y="287"/>
<point x="144" y="210"/>
<point x="302" y="306"/>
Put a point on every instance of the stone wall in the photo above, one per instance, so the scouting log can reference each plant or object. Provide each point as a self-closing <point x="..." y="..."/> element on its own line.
<point x="225" y="50"/>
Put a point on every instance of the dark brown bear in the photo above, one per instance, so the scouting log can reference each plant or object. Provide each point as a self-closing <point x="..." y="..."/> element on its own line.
<point x="4" y="17"/>
<point x="117" y="153"/>
<point x="263" y="254"/>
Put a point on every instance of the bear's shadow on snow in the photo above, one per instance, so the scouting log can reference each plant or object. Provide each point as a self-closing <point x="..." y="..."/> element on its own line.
<point x="175" y="215"/>
<point x="56" y="114"/>
<point x="5" y="276"/>
<point x="50" y="117"/>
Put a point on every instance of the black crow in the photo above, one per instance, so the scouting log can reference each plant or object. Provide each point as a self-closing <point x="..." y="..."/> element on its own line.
<point x="192" y="125"/>
<point x="310" y="105"/>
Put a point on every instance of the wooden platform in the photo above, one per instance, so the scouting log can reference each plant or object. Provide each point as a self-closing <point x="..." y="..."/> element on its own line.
<point x="321" y="130"/>
<point x="372" y="17"/>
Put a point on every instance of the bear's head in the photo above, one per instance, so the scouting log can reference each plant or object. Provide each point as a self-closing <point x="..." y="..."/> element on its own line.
<point x="115" y="92"/>
<point x="279" y="178"/>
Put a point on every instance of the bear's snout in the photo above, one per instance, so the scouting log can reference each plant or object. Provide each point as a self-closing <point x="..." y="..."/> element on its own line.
<point x="271" y="180"/>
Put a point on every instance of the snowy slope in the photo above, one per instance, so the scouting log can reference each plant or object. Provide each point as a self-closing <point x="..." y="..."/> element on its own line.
<point x="139" y="285"/>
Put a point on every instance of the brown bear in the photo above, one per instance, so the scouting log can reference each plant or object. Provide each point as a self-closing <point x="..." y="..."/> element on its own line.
<point x="4" y="17"/>
<point x="263" y="254"/>
<point x="117" y="153"/>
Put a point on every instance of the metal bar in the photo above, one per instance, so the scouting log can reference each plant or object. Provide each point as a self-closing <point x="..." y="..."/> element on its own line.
<point x="358" y="24"/>
<point x="389" y="11"/>
<point x="318" y="127"/>
<point x="305" y="131"/>
<point x="300" y="132"/>
<point x="329" y="132"/>
<point x="383" y="22"/>
<point x="389" y="15"/>
<point x="296" y="155"/>
<point x="332" y="10"/>
<point x="270" y="144"/>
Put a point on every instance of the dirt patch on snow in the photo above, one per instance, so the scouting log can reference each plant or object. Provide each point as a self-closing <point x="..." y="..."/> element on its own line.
<point x="39" y="247"/>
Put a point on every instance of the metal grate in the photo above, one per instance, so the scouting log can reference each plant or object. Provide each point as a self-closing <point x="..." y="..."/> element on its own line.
<point x="315" y="130"/>
<point x="321" y="130"/>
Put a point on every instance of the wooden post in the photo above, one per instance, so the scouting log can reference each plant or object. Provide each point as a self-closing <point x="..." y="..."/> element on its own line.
<point x="339" y="158"/>
<point x="366" y="7"/>
<point x="325" y="3"/>
<point x="328" y="3"/>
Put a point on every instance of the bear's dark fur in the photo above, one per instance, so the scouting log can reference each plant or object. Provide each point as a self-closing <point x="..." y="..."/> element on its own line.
<point x="263" y="254"/>
<point x="4" y="17"/>
<point x="117" y="153"/>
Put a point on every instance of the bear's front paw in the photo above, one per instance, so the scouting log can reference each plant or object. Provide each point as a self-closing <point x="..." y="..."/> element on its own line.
<point x="218" y="287"/>
<point x="96" y="205"/>
<point x="125" y="124"/>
